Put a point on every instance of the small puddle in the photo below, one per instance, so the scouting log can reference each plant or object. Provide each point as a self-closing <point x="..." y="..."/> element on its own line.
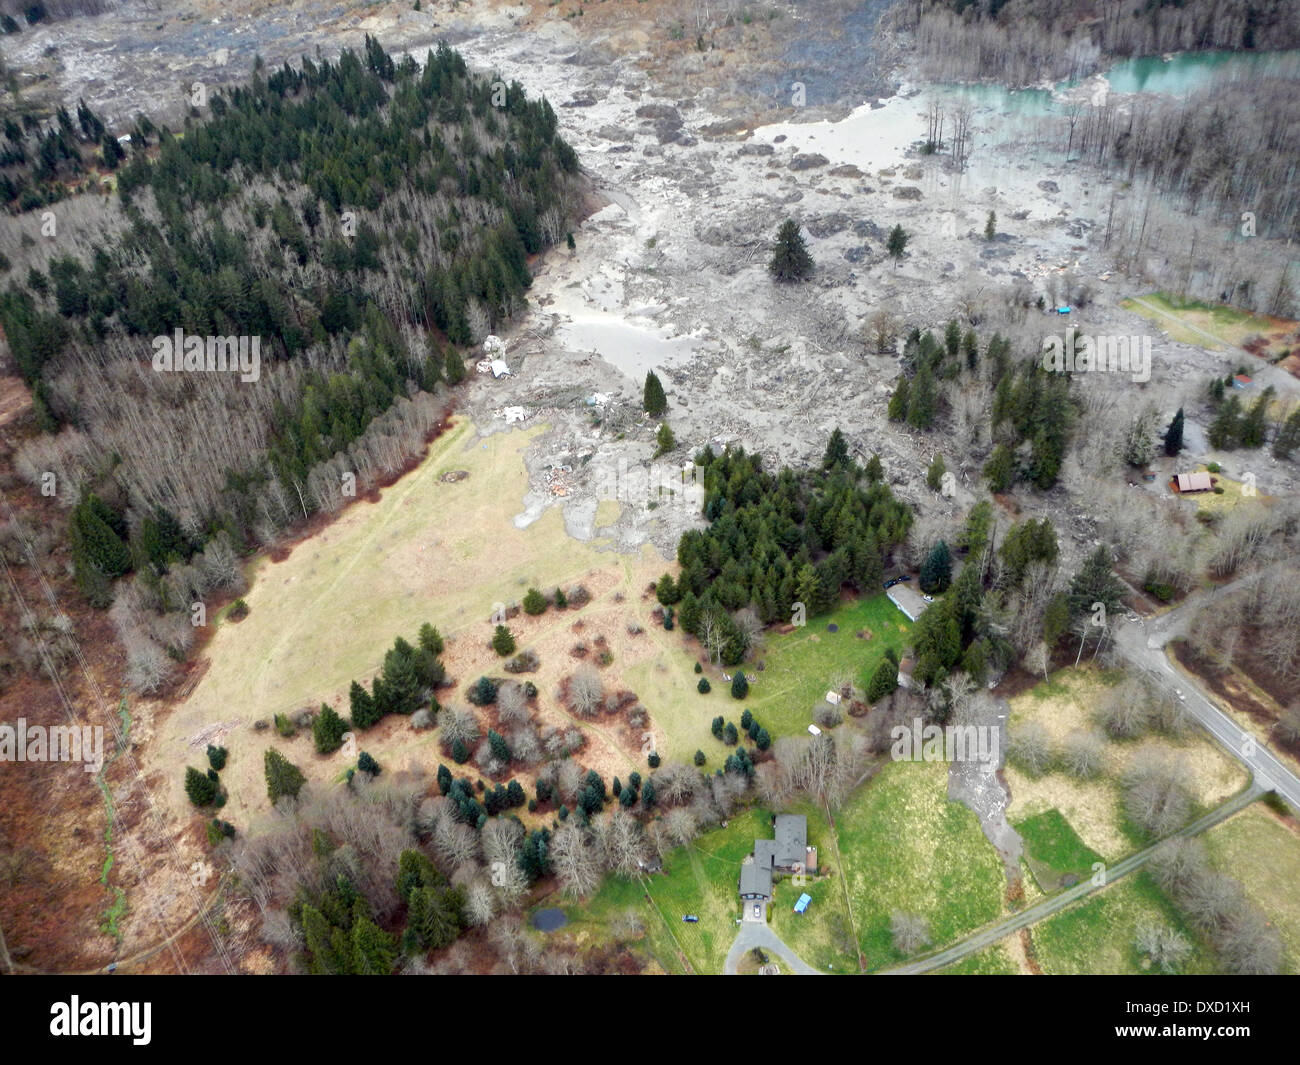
<point x="634" y="350"/>
<point x="549" y="920"/>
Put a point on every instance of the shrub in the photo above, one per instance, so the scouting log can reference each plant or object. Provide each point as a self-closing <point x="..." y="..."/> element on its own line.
<point x="699" y="668"/>
<point x="523" y="662"/>
<point x="367" y="764"/>
<point x="285" y="727"/>
<point x="1031" y="748"/>
<point x="653" y="760"/>
<point x="238" y="611"/>
<point x="217" y="757"/>
<point x="699" y="758"/>
<point x="482" y="692"/>
<point x="704" y="687"/>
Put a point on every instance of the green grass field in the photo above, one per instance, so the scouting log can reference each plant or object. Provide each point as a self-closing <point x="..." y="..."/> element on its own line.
<point x="1054" y="850"/>
<point x="1096" y="935"/>
<point x="799" y="669"/>
<point x="991" y="961"/>
<point x="906" y="847"/>
<point x="1258" y="850"/>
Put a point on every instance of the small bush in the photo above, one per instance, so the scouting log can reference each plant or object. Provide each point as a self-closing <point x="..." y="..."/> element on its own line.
<point x="217" y="757"/>
<point x="653" y="760"/>
<point x="238" y="611"/>
<point x="699" y="668"/>
<point x="699" y="758"/>
<point x="523" y="662"/>
<point x="482" y="692"/>
<point x="367" y="764"/>
<point x="704" y="687"/>
<point x="285" y="727"/>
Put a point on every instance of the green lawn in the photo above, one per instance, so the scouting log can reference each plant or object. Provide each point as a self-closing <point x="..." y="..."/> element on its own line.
<point x="906" y="847"/>
<point x="991" y="961"/>
<point x="1096" y="935"/>
<point x="1053" y="849"/>
<point x="1263" y="854"/>
<point x="802" y="665"/>
<point x="799" y="668"/>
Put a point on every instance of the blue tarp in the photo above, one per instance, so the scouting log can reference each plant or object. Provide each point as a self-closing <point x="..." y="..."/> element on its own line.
<point x="802" y="904"/>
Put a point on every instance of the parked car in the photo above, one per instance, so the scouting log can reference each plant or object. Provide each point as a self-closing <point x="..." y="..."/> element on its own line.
<point x="758" y="910"/>
<point x="690" y="918"/>
<point x="928" y="598"/>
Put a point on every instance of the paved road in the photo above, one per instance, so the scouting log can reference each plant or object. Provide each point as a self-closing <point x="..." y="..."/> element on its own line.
<point x="1143" y="643"/>
<point x="752" y="934"/>
<point x="1055" y="903"/>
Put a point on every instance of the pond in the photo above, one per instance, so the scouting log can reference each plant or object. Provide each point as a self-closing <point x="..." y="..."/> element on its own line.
<point x="550" y="919"/>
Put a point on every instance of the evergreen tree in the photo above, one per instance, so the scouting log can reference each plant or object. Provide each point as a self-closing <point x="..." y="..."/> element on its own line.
<point x="922" y="400"/>
<point x="739" y="686"/>
<point x="898" y="402"/>
<point x="875" y="470"/>
<point x="1173" y="437"/>
<point x="97" y="538"/>
<point x="217" y="757"/>
<point x="497" y="744"/>
<point x="936" y="570"/>
<point x="363" y="711"/>
<point x="327" y="730"/>
<point x="373" y="950"/>
<point x="459" y="752"/>
<point x="653" y="399"/>
<point x="1225" y="431"/>
<point x="430" y="639"/>
<point x="897" y="244"/>
<point x="1000" y="470"/>
<point x="453" y="367"/>
<point x="1288" y="436"/>
<point x="1254" y="426"/>
<point x="934" y="475"/>
<point x="729" y="735"/>
<point x="1095" y="583"/>
<point x="664" y="440"/>
<point x="883" y="681"/>
<point x="534" y="602"/>
<point x="367" y="764"/>
<point x="991" y="226"/>
<point x="503" y="641"/>
<point x="666" y="591"/>
<point x="700" y="759"/>
<point x="762" y="739"/>
<point x="200" y="790"/>
<point x="790" y="258"/>
<point x="283" y="778"/>
<point x="717" y="725"/>
<point x="837" y="450"/>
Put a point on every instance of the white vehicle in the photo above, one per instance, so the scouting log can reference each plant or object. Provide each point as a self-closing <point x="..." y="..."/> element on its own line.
<point x="1179" y="692"/>
<point x="758" y="910"/>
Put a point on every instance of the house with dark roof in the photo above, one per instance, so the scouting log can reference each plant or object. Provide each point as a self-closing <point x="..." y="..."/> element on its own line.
<point x="787" y="853"/>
